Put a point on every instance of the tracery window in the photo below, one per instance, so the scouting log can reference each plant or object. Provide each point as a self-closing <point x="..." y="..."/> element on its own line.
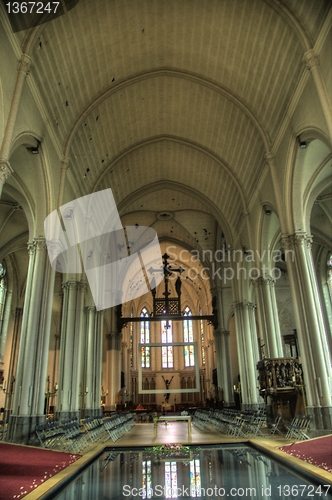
<point x="195" y="478"/>
<point x="188" y="336"/>
<point x="146" y="491"/>
<point x="171" y="480"/>
<point x="167" y="338"/>
<point x="145" y="339"/>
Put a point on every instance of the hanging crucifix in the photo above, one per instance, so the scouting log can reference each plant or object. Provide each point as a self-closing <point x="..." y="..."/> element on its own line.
<point x="168" y="305"/>
<point x="167" y="385"/>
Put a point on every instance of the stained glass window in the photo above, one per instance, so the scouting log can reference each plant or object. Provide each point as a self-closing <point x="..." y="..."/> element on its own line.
<point x="167" y="338"/>
<point x="171" y="480"/>
<point x="145" y="339"/>
<point x="188" y="336"/>
<point x="195" y="478"/>
<point x="146" y="479"/>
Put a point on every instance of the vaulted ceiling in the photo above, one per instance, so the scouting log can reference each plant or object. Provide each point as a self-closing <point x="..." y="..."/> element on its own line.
<point x="172" y="104"/>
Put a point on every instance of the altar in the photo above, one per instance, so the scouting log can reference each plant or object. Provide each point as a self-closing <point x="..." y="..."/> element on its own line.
<point x="173" y="418"/>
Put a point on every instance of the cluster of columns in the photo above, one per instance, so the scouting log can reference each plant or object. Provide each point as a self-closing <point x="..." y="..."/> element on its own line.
<point x="311" y="333"/>
<point x="312" y="336"/>
<point x="80" y="361"/>
<point x="29" y="391"/>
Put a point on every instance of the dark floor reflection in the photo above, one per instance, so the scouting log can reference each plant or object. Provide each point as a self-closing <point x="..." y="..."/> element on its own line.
<point x="215" y="472"/>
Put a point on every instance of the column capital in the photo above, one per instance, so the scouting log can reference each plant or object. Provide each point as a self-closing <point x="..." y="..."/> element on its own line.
<point x="69" y="285"/>
<point x="263" y="280"/>
<point x="37" y="244"/>
<point x="82" y="286"/>
<point x="24" y="64"/>
<point x="302" y="238"/>
<point x="242" y="305"/>
<point x="90" y="309"/>
<point x="311" y="59"/>
<point x="54" y="249"/>
<point x="286" y="241"/>
<point x="5" y="170"/>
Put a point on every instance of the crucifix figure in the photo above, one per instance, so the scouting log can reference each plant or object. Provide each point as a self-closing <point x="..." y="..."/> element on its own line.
<point x="167" y="384"/>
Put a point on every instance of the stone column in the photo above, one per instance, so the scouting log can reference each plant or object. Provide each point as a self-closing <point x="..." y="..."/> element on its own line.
<point x="30" y="384"/>
<point x="113" y="357"/>
<point x="13" y="362"/>
<point x="72" y="329"/>
<point x="217" y="342"/>
<point x="113" y="361"/>
<point x="247" y="353"/>
<point x="311" y="333"/>
<point x="125" y="368"/>
<point x="227" y="369"/>
<point x="224" y="372"/>
<point x="98" y="361"/>
<point x="268" y="316"/>
<point x="89" y="368"/>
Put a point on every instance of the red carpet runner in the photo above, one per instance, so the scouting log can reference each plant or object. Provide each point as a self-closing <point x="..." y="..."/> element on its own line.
<point x="316" y="452"/>
<point x="22" y="468"/>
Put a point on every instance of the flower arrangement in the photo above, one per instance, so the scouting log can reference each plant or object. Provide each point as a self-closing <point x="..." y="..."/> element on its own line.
<point x="177" y="452"/>
<point x="169" y="448"/>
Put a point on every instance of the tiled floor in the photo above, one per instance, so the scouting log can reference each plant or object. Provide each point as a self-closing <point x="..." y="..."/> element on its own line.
<point x="145" y="434"/>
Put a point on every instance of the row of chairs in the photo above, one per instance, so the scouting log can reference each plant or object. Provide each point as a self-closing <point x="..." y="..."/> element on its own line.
<point x="299" y="427"/>
<point x="67" y="434"/>
<point x="72" y="435"/>
<point x="232" y="422"/>
<point x="117" y="425"/>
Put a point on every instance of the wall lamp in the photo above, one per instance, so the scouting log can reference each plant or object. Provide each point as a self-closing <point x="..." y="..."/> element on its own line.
<point x="303" y="144"/>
